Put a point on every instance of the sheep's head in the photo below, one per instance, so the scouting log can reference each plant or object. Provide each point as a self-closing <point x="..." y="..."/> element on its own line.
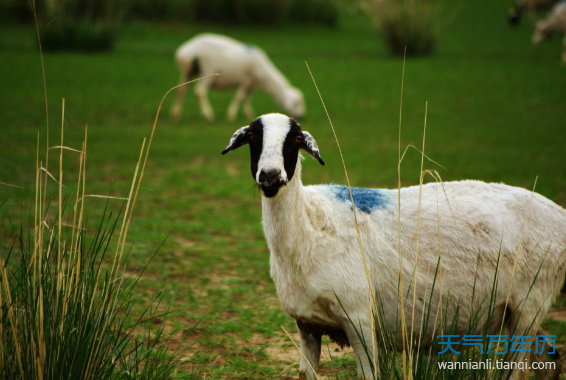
<point x="543" y="32"/>
<point x="293" y="102"/>
<point x="274" y="141"/>
<point x="514" y="15"/>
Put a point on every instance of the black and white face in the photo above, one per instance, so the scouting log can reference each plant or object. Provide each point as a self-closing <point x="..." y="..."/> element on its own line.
<point x="274" y="141"/>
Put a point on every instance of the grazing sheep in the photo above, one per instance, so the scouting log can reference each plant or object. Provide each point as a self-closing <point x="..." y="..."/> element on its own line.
<point x="242" y="66"/>
<point x="531" y="6"/>
<point x="315" y="256"/>
<point x="555" y="22"/>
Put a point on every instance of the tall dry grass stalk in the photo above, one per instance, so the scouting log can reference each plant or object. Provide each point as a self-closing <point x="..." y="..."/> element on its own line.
<point x="373" y="304"/>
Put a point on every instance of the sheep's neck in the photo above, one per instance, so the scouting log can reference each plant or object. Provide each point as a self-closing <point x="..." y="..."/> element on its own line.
<point x="272" y="81"/>
<point x="284" y="219"/>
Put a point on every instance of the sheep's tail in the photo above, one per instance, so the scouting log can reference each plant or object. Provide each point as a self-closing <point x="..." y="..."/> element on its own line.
<point x="193" y="70"/>
<point x="188" y="73"/>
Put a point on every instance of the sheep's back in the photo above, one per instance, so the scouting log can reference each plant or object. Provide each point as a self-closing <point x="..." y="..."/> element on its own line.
<point x="474" y="228"/>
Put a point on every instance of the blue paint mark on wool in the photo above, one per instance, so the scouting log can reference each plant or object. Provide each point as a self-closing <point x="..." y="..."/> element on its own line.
<point x="366" y="200"/>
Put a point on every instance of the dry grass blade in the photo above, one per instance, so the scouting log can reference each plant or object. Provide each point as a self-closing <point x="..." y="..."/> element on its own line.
<point x="349" y="187"/>
<point x="127" y="217"/>
<point x="101" y="196"/>
<point x="34" y="11"/>
<point x="66" y="148"/>
<point x="385" y="281"/>
<point x="403" y="325"/>
<point x="49" y="174"/>
<point x="60" y="274"/>
<point x="9" y="184"/>
<point x="155" y="124"/>
<point x="425" y="156"/>
<point x="417" y="245"/>
<point x="519" y="244"/>
<point x="11" y="315"/>
<point x="367" y="272"/>
<point x="74" y="227"/>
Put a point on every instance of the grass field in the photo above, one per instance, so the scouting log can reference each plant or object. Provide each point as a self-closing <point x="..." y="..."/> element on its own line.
<point x="496" y="112"/>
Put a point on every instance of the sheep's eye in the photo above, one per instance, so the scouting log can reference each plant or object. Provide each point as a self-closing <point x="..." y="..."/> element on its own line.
<point x="251" y="135"/>
<point x="299" y="139"/>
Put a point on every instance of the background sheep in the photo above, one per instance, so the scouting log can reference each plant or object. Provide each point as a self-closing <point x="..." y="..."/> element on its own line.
<point x="554" y="22"/>
<point x="315" y="257"/>
<point x="242" y="66"/>
<point x="531" y="6"/>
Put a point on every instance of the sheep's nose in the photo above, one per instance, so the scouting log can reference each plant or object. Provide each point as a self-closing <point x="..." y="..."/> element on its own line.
<point x="269" y="175"/>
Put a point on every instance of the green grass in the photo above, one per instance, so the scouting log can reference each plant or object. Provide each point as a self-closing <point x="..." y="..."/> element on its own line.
<point x="496" y="113"/>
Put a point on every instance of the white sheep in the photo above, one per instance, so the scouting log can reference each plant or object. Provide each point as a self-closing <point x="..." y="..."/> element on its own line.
<point x="245" y="67"/>
<point x="531" y="6"/>
<point x="554" y="22"/>
<point x="470" y="225"/>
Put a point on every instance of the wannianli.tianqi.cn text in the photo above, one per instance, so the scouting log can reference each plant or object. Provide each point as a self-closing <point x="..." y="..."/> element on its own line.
<point x="497" y="364"/>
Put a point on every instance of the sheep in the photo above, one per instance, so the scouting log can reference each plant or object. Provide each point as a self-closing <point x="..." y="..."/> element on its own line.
<point x="476" y="227"/>
<point x="555" y="22"/>
<point x="242" y="66"/>
<point x="532" y="6"/>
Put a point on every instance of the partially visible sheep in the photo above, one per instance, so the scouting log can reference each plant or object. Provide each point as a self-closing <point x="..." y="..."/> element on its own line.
<point x="242" y="66"/>
<point x="485" y="231"/>
<point x="555" y="22"/>
<point x="531" y="6"/>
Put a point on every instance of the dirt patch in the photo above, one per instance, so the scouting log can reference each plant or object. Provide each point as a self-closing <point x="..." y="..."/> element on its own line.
<point x="559" y="315"/>
<point x="197" y="161"/>
<point x="184" y="242"/>
<point x="282" y="350"/>
<point x="231" y="169"/>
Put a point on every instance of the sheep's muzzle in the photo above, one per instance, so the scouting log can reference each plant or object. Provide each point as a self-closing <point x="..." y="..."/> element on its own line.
<point x="270" y="181"/>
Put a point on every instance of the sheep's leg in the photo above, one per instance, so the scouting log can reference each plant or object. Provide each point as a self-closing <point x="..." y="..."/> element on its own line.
<point x="310" y="351"/>
<point x="248" y="108"/>
<point x="201" y="91"/>
<point x="526" y="358"/>
<point x="549" y="373"/>
<point x="177" y="107"/>
<point x="523" y="322"/>
<point x="241" y="95"/>
<point x="360" y="338"/>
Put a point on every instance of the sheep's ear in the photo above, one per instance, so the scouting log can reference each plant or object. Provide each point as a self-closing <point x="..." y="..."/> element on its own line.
<point x="238" y="139"/>
<point x="309" y="146"/>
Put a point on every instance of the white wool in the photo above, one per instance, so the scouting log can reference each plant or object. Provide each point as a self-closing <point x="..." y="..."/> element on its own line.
<point x="241" y="66"/>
